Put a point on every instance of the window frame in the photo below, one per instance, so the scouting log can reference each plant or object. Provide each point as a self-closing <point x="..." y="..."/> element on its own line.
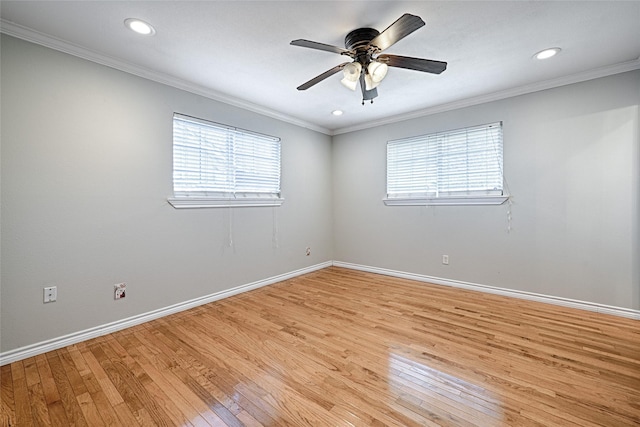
<point x="229" y="197"/>
<point x="422" y="199"/>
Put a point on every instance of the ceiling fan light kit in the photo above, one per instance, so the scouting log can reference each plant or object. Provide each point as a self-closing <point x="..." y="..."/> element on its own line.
<point x="376" y="71"/>
<point x="351" y="75"/>
<point x="364" y="46"/>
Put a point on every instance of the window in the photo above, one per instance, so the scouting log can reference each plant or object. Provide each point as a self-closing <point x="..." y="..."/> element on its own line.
<point x="462" y="166"/>
<point x="217" y="166"/>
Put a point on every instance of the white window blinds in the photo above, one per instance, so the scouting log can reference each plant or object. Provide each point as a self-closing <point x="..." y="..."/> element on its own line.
<point x="213" y="160"/>
<point x="458" y="163"/>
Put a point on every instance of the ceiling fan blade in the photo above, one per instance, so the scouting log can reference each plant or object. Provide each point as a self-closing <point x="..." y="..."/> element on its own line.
<point x="400" y="29"/>
<point x="321" y="46"/>
<point x="419" y="64"/>
<point x="322" y="76"/>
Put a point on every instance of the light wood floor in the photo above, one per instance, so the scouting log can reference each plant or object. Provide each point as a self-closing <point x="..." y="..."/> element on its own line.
<point x="340" y="348"/>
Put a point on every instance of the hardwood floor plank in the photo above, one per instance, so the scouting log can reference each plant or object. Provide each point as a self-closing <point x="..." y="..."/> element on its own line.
<point x="73" y="375"/>
<point x="248" y="420"/>
<point x="125" y="416"/>
<point x="189" y="358"/>
<point x="7" y="401"/>
<point x="168" y="367"/>
<point x="362" y="379"/>
<point x="266" y="350"/>
<point x="129" y="406"/>
<point x="21" y="395"/>
<point x="68" y="400"/>
<point x="217" y="401"/>
<point x="49" y="388"/>
<point x="89" y="410"/>
<point x="39" y="410"/>
<point x="273" y="379"/>
<point x="339" y="347"/>
<point x="74" y="352"/>
<point x="58" y="414"/>
<point x="101" y="376"/>
<point x="125" y="375"/>
<point x="153" y="387"/>
<point x="99" y="398"/>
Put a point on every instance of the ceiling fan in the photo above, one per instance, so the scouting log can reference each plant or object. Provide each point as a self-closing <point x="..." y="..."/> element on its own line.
<point x="368" y="67"/>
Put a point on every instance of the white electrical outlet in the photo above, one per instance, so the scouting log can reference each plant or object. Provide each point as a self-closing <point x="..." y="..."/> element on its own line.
<point x="308" y="251"/>
<point x="119" y="291"/>
<point x="50" y="294"/>
<point x="445" y="259"/>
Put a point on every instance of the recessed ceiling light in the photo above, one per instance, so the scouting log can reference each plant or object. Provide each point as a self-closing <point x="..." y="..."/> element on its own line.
<point x="139" y="26"/>
<point x="547" y="53"/>
<point x="337" y="112"/>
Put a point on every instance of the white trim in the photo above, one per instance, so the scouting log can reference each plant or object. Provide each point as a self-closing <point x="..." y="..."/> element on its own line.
<point x="583" y="76"/>
<point x="445" y="201"/>
<point x="27" y="34"/>
<point x="548" y="299"/>
<point x="211" y="202"/>
<point x="87" y="334"/>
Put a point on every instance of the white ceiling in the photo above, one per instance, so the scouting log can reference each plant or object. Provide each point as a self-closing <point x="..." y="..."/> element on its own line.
<point x="239" y="52"/>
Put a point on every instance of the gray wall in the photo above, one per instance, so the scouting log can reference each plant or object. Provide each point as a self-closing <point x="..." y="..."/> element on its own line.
<point x="571" y="162"/>
<point x="86" y="172"/>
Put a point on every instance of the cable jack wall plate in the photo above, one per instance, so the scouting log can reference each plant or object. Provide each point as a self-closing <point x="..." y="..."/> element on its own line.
<point x="119" y="290"/>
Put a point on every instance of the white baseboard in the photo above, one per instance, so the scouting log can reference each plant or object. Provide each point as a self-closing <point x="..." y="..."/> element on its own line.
<point x="565" y="302"/>
<point x="87" y="334"/>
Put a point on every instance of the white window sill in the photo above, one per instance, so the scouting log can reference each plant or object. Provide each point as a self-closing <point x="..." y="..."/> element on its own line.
<point x="446" y="201"/>
<point x="222" y="202"/>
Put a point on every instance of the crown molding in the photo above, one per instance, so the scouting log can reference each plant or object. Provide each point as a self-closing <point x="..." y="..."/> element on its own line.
<point x="30" y="35"/>
<point x="503" y="94"/>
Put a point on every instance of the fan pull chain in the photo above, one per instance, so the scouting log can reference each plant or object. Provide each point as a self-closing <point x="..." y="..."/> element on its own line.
<point x="274" y="237"/>
<point x="229" y="228"/>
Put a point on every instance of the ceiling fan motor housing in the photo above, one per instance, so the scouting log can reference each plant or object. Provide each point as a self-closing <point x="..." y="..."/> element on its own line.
<point x="360" y="38"/>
